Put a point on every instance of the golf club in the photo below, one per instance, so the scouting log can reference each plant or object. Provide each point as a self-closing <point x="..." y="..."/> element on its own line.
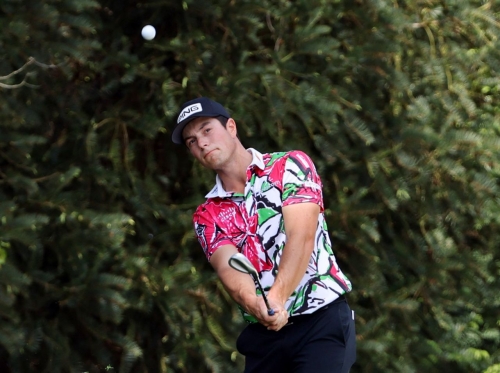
<point x="241" y="263"/>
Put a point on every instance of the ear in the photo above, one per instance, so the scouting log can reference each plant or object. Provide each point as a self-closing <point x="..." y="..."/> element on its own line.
<point x="231" y="127"/>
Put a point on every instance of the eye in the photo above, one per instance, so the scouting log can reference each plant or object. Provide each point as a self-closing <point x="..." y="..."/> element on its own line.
<point x="207" y="130"/>
<point x="190" y="142"/>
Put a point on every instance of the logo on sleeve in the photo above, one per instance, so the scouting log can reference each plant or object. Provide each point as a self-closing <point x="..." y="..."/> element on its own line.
<point x="188" y="111"/>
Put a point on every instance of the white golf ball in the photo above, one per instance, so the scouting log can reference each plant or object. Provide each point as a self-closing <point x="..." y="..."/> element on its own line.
<point x="148" y="32"/>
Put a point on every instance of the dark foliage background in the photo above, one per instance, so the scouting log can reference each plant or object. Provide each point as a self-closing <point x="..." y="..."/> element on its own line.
<point x="397" y="102"/>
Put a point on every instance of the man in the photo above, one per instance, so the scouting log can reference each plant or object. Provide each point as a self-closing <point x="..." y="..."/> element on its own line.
<point x="269" y="207"/>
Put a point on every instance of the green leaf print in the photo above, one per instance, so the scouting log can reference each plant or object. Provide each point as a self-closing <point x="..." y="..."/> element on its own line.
<point x="265" y="214"/>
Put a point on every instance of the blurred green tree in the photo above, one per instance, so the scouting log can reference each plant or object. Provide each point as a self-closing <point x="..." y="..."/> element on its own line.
<point x="397" y="103"/>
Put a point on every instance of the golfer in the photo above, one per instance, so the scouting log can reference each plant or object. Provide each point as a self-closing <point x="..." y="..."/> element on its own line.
<point x="269" y="207"/>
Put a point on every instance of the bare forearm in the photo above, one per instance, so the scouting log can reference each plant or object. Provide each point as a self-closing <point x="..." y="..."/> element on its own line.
<point x="301" y="221"/>
<point x="292" y="267"/>
<point x="240" y="286"/>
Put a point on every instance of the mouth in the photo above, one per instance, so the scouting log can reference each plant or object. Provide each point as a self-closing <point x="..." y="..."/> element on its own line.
<point x="206" y="155"/>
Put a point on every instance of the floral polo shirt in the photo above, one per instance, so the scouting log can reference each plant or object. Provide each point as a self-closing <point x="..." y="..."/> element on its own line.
<point x="253" y="222"/>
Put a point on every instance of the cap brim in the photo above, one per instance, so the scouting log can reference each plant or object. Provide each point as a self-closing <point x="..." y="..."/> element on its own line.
<point x="177" y="133"/>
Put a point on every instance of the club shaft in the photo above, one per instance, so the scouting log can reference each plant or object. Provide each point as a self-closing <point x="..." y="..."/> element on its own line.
<point x="270" y="311"/>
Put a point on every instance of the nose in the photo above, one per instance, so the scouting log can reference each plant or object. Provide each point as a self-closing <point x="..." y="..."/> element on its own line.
<point x="203" y="142"/>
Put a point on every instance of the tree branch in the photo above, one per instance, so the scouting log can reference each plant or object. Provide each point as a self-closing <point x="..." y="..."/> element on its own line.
<point x="31" y="61"/>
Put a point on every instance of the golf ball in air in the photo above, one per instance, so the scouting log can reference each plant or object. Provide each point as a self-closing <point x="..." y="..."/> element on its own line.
<point x="148" y="32"/>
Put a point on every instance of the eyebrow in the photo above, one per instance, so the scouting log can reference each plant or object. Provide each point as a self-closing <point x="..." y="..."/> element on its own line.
<point x="203" y="124"/>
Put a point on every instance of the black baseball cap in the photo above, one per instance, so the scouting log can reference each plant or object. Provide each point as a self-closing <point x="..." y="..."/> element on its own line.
<point x="198" y="107"/>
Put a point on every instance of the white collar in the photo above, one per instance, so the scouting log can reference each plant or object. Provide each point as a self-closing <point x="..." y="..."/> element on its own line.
<point x="218" y="190"/>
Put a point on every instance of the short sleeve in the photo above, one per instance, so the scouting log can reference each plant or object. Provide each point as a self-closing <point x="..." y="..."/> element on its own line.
<point x="301" y="182"/>
<point x="209" y="234"/>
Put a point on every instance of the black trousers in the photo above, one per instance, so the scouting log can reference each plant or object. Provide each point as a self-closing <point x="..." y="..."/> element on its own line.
<point x="322" y="342"/>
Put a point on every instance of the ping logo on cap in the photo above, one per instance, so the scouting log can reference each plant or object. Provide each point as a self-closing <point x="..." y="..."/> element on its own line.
<point x="188" y="111"/>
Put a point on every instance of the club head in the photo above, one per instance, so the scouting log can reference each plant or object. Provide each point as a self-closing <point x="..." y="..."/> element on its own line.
<point x="241" y="263"/>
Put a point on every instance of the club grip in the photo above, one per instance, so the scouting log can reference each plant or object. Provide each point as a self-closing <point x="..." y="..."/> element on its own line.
<point x="270" y="312"/>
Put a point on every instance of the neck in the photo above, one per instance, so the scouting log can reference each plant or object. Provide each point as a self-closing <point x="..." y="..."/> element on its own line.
<point x="234" y="176"/>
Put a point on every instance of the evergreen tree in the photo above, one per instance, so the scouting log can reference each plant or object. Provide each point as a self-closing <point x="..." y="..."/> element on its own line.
<point x="397" y="103"/>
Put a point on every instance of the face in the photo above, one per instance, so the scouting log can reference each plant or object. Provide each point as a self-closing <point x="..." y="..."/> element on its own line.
<point x="209" y="142"/>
